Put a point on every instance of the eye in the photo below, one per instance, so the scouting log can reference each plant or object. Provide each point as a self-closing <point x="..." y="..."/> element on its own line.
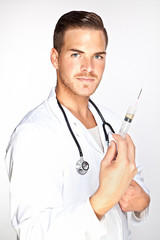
<point x="98" y="57"/>
<point x="75" y="55"/>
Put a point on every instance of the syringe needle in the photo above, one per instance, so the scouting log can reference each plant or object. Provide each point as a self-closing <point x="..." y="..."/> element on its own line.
<point x="139" y="94"/>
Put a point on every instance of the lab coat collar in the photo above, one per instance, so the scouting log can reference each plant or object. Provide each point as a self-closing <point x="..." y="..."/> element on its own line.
<point x="52" y="101"/>
<point x="75" y="122"/>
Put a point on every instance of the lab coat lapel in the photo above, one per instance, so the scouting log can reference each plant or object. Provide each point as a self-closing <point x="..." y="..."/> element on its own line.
<point x="100" y="127"/>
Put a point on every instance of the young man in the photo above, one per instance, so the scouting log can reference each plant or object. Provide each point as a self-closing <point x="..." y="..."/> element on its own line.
<point x="65" y="181"/>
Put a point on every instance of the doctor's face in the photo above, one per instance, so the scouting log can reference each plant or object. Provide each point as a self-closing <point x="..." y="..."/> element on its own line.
<point x="80" y="64"/>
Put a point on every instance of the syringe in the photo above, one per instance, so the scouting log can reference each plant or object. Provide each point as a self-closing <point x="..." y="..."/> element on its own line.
<point x="128" y="118"/>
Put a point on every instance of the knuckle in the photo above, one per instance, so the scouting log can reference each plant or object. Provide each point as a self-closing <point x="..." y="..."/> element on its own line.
<point x="119" y="138"/>
<point x="136" y="170"/>
<point x="132" y="167"/>
<point x="122" y="140"/>
<point x="124" y="207"/>
<point x="133" y="147"/>
<point x="130" y="193"/>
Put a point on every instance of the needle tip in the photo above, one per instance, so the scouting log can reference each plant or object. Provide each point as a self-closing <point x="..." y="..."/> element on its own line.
<point x="139" y="93"/>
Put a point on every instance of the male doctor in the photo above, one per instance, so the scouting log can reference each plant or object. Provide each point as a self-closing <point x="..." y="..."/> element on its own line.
<point x="54" y="194"/>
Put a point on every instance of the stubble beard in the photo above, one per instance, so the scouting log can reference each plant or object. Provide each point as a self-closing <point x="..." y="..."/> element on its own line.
<point x="69" y="88"/>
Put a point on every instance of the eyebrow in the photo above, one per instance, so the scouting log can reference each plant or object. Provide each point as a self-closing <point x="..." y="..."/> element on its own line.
<point x="75" y="50"/>
<point x="79" y="51"/>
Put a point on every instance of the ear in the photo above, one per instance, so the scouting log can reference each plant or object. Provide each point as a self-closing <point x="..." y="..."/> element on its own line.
<point x="54" y="58"/>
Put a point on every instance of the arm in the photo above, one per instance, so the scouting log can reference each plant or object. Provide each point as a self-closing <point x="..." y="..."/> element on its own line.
<point x="115" y="175"/>
<point x="36" y="177"/>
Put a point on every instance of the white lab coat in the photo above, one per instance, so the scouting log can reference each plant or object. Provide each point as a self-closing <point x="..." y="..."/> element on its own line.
<point x="49" y="199"/>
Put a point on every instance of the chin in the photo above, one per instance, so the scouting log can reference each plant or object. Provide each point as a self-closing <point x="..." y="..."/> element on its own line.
<point x="85" y="93"/>
<point x="90" y="91"/>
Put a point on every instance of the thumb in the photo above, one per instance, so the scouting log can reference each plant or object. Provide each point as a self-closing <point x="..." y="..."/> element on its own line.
<point x="111" y="152"/>
<point x="134" y="183"/>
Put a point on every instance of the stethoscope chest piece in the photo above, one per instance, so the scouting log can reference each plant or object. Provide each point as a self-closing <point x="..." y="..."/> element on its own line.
<point x="82" y="166"/>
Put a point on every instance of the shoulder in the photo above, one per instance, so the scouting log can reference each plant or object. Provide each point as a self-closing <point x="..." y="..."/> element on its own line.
<point x="37" y="125"/>
<point x="41" y="118"/>
<point x="38" y="115"/>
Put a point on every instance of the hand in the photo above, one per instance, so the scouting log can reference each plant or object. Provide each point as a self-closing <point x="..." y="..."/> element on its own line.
<point x="135" y="199"/>
<point x="115" y="176"/>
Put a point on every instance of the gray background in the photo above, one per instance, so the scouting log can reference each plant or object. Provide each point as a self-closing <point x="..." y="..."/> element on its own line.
<point x="26" y="77"/>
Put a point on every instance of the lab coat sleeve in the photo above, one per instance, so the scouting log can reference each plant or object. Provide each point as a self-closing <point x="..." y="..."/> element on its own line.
<point x="137" y="220"/>
<point x="37" y="210"/>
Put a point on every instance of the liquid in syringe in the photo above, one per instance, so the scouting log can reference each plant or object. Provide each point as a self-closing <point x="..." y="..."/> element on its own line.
<point x="128" y="118"/>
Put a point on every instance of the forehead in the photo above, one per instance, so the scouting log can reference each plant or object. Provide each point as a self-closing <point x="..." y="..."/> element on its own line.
<point x="84" y="38"/>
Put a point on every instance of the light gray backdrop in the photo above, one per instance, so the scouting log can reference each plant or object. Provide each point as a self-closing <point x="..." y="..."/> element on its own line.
<point x="26" y="76"/>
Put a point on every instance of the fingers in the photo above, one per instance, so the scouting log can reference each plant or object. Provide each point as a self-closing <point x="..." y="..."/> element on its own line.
<point x="111" y="153"/>
<point x="131" y="148"/>
<point x="125" y="206"/>
<point x="121" y="147"/>
<point x="126" y="152"/>
<point x="126" y="147"/>
<point x="134" y="183"/>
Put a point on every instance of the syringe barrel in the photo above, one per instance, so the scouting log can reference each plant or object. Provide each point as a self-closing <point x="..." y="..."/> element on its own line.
<point x="127" y="121"/>
<point x="124" y="128"/>
<point x="128" y="118"/>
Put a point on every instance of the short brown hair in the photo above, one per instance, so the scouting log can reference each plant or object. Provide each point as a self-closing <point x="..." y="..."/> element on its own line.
<point x="76" y="19"/>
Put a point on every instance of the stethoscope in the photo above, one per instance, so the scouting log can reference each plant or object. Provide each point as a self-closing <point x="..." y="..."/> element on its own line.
<point x="81" y="165"/>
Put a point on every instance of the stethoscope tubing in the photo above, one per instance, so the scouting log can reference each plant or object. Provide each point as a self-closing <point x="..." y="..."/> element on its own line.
<point x="70" y="129"/>
<point x="81" y="165"/>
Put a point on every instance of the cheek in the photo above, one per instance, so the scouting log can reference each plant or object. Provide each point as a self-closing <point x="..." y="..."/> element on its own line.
<point x="100" y="68"/>
<point x="70" y="68"/>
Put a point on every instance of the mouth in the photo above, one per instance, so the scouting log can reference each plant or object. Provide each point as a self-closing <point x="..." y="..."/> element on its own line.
<point x="85" y="79"/>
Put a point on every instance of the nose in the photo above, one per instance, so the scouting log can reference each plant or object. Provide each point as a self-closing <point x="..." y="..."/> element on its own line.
<point x="87" y="65"/>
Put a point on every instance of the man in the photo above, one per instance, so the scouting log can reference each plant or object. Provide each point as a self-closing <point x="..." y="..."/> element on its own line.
<point x="65" y="182"/>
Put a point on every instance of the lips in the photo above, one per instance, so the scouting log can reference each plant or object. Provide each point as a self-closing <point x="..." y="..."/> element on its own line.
<point x="86" y="79"/>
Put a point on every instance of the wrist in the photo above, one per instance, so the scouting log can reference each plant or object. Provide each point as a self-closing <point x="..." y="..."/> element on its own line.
<point x="96" y="206"/>
<point x="99" y="205"/>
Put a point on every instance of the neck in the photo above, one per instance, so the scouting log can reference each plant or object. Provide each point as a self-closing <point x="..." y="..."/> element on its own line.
<point x="77" y="105"/>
